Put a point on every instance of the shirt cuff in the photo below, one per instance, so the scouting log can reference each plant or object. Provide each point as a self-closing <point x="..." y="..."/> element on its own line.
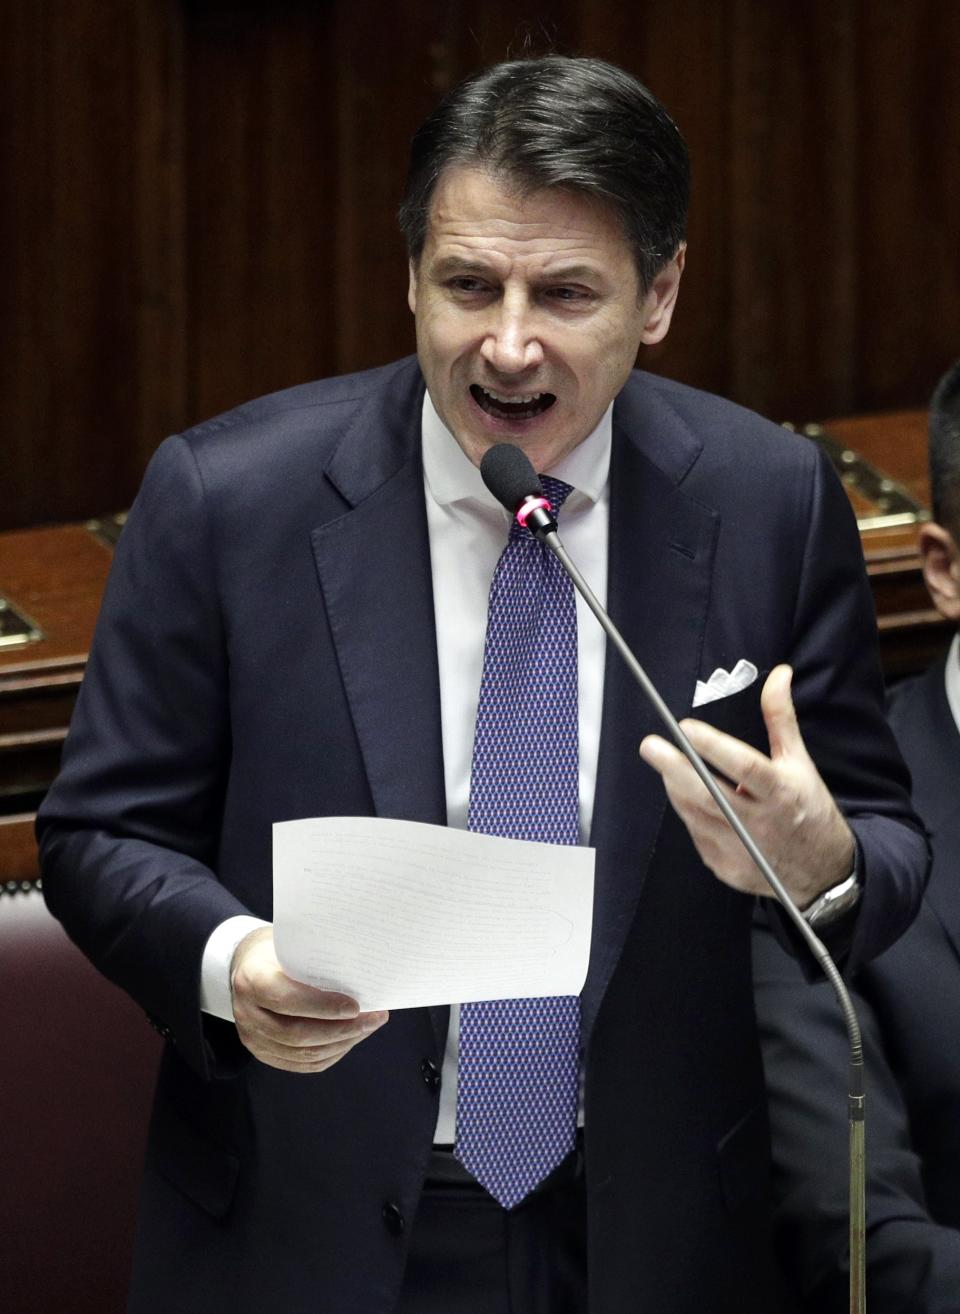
<point x="215" y="996"/>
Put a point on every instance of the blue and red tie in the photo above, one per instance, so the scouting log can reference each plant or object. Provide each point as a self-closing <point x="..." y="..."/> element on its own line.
<point x="518" y="1061"/>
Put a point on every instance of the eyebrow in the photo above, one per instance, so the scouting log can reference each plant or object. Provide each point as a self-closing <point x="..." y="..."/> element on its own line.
<point x="450" y="265"/>
<point x="459" y="265"/>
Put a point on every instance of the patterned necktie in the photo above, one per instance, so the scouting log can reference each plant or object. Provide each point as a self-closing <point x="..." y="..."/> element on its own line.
<point x="518" y="1058"/>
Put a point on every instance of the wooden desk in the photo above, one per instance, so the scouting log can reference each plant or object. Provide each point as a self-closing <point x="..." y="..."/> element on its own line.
<point x="883" y="462"/>
<point x="53" y="580"/>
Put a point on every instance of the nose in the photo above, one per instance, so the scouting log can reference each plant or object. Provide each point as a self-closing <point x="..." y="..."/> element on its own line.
<point x="511" y="345"/>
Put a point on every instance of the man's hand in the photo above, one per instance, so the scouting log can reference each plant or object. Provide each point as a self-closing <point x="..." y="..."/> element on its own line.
<point x="781" y="800"/>
<point x="286" y="1024"/>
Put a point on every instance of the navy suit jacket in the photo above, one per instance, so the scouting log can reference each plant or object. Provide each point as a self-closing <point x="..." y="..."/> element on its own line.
<point x="908" y="1001"/>
<point x="266" y="650"/>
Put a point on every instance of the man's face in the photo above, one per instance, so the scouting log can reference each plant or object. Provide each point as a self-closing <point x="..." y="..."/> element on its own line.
<point x="529" y="314"/>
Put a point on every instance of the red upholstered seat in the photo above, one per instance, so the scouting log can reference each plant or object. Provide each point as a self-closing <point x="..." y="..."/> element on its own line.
<point x="77" y="1067"/>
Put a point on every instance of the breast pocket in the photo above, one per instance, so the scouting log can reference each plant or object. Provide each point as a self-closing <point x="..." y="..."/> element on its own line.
<point x="739" y="714"/>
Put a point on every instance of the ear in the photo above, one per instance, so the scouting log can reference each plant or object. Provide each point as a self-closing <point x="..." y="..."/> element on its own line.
<point x="659" y="302"/>
<point x="941" y="569"/>
<point x="412" y="288"/>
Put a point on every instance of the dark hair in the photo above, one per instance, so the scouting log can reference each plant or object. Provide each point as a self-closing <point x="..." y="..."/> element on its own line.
<point x="945" y="451"/>
<point x="558" y="121"/>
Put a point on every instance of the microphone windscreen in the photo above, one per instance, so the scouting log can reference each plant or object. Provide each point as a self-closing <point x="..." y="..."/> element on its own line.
<point x="507" y="472"/>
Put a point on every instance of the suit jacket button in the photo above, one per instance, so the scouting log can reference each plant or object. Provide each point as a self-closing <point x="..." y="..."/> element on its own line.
<point x="393" y="1218"/>
<point x="428" y="1070"/>
<point x="160" y="1027"/>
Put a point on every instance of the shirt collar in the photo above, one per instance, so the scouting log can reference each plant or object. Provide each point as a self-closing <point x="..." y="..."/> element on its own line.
<point x="953" y="679"/>
<point x="452" y="477"/>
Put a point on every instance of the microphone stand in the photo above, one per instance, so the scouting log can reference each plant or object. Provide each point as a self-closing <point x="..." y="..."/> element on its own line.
<point x="547" y="534"/>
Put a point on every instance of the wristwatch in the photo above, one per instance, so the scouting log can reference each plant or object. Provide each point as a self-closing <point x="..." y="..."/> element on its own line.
<point x="833" y="903"/>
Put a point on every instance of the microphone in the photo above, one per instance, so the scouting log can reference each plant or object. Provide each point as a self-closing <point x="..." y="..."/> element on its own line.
<point x="507" y="472"/>
<point x="513" y="481"/>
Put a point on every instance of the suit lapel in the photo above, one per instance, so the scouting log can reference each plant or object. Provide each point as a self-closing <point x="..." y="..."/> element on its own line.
<point x="661" y="553"/>
<point x="374" y="570"/>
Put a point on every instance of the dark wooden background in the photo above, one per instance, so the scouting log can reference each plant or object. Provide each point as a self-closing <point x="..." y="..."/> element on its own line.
<point x="197" y="204"/>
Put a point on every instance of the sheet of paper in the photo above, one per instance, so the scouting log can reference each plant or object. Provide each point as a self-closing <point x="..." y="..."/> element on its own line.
<point x="400" y="914"/>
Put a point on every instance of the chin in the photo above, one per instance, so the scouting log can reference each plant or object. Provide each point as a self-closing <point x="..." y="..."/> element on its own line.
<point x="473" y="445"/>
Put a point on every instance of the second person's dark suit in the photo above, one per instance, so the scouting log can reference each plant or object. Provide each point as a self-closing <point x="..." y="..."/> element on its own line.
<point x="909" y="1005"/>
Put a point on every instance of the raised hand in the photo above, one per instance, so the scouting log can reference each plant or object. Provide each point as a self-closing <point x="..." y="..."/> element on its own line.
<point x="781" y="799"/>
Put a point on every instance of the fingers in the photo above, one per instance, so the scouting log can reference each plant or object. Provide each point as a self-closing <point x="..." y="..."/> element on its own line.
<point x="287" y="1033"/>
<point x="779" y="715"/>
<point x="715" y="842"/>
<point x="304" y="1045"/>
<point x="708" y="828"/>
<point x="750" y="772"/>
<point x="285" y="1023"/>
<point x="781" y="799"/>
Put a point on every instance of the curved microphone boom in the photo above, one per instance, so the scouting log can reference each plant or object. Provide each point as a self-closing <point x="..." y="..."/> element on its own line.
<point x="507" y="472"/>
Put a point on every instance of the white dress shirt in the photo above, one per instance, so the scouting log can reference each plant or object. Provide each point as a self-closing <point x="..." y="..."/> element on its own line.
<point x="952" y="677"/>
<point x="468" y="530"/>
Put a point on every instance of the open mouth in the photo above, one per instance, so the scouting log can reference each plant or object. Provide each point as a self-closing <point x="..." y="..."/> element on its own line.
<point x="522" y="407"/>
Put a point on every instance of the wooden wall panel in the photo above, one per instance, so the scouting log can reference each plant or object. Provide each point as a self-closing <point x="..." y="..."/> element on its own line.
<point x="85" y="289"/>
<point x="159" y="342"/>
<point x="261" y="163"/>
<point x="908" y="181"/>
<point x="198" y="204"/>
<point x="792" y="205"/>
<point x="377" y="112"/>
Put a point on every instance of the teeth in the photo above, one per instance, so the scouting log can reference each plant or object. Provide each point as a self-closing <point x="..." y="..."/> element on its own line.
<point x="516" y="401"/>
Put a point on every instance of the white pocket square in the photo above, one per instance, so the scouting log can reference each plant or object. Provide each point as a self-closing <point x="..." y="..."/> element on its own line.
<point x="724" y="683"/>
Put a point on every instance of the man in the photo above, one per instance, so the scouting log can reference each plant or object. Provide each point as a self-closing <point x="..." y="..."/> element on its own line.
<point x="908" y="1001"/>
<point x="295" y="627"/>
